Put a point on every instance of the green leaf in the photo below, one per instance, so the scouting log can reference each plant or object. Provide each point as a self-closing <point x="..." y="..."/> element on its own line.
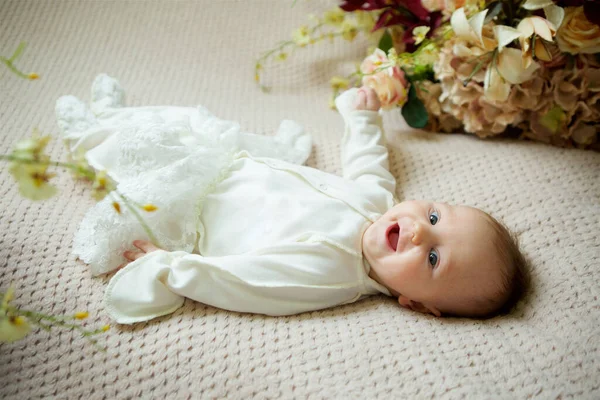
<point x="386" y="42"/>
<point x="414" y="111"/>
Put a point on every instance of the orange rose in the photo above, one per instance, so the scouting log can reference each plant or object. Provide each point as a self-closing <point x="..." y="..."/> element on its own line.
<point x="577" y="34"/>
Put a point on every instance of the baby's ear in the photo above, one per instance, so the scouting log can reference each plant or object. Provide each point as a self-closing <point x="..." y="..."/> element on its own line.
<point x="419" y="307"/>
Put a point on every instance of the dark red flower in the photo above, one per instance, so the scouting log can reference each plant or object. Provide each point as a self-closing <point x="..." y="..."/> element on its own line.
<point x="407" y="13"/>
<point x="591" y="8"/>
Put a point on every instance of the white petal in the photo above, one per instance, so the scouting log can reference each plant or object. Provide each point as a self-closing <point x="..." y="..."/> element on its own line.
<point x="510" y="66"/>
<point x="555" y="15"/>
<point x="541" y="28"/>
<point x="494" y="87"/>
<point x="525" y="27"/>
<point x="461" y="26"/>
<point x="476" y="23"/>
<point x="505" y="35"/>
<point x="460" y="50"/>
<point x="537" y="4"/>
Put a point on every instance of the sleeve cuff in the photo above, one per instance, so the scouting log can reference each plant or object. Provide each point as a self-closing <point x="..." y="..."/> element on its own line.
<point x="139" y="291"/>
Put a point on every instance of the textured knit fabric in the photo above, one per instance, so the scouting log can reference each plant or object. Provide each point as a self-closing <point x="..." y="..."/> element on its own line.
<point x="203" y="52"/>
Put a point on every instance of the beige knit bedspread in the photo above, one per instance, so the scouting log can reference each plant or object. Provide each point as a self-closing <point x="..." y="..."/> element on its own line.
<point x="203" y="52"/>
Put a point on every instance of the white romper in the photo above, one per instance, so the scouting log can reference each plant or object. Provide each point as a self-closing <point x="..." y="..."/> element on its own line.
<point x="241" y="231"/>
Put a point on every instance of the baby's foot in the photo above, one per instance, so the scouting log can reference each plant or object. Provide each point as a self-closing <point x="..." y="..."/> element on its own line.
<point x="73" y="117"/>
<point x="106" y="93"/>
<point x="292" y="135"/>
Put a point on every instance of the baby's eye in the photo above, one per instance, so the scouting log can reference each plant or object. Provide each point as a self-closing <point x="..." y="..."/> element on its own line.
<point x="433" y="258"/>
<point x="433" y="217"/>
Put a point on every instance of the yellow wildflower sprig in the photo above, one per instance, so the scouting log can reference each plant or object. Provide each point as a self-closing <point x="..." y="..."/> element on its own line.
<point x="15" y="322"/>
<point x="29" y="167"/>
<point x="340" y="83"/>
<point x="336" y="19"/>
<point x="9" y="62"/>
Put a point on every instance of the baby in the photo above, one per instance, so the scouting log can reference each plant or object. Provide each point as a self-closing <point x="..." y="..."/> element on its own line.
<point x="250" y="232"/>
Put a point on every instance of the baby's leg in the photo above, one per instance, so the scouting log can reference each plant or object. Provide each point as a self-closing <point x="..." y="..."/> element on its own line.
<point x="84" y="128"/>
<point x="291" y="143"/>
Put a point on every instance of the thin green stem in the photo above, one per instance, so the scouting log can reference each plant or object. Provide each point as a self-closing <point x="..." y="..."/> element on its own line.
<point x="127" y="203"/>
<point x="88" y="173"/>
<point x="40" y="319"/>
<point x="13" y="69"/>
<point x="18" y="52"/>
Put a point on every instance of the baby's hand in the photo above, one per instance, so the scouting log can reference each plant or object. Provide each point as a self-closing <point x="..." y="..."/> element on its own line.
<point x="132" y="255"/>
<point x="367" y="99"/>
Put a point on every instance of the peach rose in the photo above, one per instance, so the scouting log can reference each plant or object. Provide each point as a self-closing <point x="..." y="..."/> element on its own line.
<point x="389" y="82"/>
<point x="577" y="34"/>
<point x="373" y="62"/>
<point x="390" y="86"/>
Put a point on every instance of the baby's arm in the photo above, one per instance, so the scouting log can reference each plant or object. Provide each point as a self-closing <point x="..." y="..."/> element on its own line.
<point x="283" y="279"/>
<point x="364" y="154"/>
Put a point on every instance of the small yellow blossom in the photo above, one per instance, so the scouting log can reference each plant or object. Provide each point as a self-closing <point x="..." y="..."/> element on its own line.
<point x="33" y="180"/>
<point x="105" y="328"/>
<point x="256" y="77"/>
<point x="364" y="20"/>
<point x="258" y="67"/>
<point x="13" y="328"/>
<point x="314" y="19"/>
<point x="150" y="207"/>
<point x="81" y="315"/>
<point x="334" y="17"/>
<point x="339" y="83"/>
<point x="301" y="36"/>
<point x="117" y="207"/>
<point x="282" y="56"/>
<point x="349" y="31"/>
<point x="419" y="33"/>
<point x="102" y="185"/>
<point x="31" y="148"/>
<point x="33" y="76"/>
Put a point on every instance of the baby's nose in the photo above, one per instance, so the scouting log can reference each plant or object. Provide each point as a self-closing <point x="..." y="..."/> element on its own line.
<point x="417" y="235"/>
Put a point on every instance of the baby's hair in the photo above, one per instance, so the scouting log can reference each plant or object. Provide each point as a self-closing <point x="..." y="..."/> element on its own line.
<point x="515" y="274"/>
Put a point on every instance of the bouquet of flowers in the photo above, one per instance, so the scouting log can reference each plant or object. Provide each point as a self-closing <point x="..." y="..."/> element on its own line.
<point x="525" y="68"/>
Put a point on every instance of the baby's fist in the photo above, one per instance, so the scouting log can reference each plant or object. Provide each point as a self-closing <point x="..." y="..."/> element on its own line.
<point x="367" y="99"/>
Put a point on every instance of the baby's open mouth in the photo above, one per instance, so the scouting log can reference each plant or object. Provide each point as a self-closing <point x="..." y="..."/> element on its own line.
<point x="393" y="233"/>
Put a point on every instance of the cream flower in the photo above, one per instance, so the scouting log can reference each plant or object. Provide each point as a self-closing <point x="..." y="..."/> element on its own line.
<point x="419" y="33"/>
<point x="577" y="34"/>
<point x="544" y="28"/>
<point x="13" y="328"/>
<point x="506" y="66"/>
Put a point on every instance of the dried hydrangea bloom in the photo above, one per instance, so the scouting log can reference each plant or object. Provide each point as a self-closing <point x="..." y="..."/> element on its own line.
<point x="439" y="121"/>
<point x="572" y="106"/>
<point x="466" y="103"/>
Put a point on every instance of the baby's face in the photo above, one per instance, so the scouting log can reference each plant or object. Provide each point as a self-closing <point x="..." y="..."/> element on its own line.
<point x="433" y="255"/>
